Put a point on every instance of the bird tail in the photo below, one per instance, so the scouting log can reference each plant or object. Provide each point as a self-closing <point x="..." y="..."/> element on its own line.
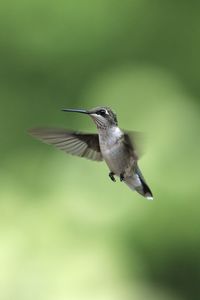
<point x="137" y="183"/>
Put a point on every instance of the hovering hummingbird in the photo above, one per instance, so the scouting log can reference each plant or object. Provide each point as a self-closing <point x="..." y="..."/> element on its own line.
<point x="117" y="147"/>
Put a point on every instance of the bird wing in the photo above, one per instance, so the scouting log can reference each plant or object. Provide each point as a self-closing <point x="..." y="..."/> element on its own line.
<point x="135" y="140"/>
<point x="75" y="143"/>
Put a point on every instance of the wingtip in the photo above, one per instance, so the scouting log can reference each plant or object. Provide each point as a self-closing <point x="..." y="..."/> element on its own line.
<point x="30" y="131"/>
<point x="34" y="132"/>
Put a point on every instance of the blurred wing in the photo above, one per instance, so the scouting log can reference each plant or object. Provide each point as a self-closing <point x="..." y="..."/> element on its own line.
<point x="75" y="143"/>
<point x="136" y="141"/>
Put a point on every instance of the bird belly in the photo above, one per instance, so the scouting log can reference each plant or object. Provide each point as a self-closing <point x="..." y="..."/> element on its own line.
<point x="116" y="159"/>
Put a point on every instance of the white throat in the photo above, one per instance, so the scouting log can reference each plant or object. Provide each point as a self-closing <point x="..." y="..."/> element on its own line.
<point x="110" y="135"/>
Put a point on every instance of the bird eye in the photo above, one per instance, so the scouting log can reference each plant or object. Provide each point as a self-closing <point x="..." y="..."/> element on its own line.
<point x="102" y="112"/>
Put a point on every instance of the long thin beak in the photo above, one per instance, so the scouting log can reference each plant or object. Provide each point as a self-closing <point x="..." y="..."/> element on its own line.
<point x="82" y="111"/>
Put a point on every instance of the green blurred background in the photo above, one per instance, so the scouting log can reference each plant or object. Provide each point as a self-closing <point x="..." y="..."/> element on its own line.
<point x="66" y="230"/>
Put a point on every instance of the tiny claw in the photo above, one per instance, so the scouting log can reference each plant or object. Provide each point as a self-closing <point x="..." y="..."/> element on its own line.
<point x="111" y="175"/>
<point x="121" y="177"/>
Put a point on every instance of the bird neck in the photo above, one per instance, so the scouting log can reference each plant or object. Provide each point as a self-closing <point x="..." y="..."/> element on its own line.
<point x="111" y="132"/>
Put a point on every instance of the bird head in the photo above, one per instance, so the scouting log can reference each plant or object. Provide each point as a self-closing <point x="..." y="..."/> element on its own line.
<point x="103" y="117"/>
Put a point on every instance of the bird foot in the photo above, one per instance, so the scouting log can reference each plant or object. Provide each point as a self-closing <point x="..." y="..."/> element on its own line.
<point x="111" y="175"/>
<point x="121" y="177"/>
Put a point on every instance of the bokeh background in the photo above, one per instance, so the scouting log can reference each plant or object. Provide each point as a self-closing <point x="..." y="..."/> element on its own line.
<point x="66" y="230"/>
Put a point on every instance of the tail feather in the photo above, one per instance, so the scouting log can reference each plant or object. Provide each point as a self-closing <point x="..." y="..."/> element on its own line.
<point x="138" y="183"/>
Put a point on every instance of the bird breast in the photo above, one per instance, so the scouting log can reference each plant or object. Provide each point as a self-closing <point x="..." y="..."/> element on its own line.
<point x="110" y="136"/>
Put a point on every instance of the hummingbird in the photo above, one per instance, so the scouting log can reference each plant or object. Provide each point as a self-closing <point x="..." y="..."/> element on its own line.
<point x="117" y="147"/>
